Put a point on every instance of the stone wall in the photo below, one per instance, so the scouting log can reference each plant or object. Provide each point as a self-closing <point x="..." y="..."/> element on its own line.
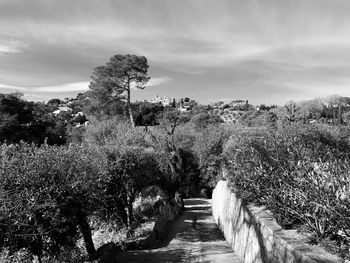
<point x="168" y="211"/>
<point x="255" y="236"/>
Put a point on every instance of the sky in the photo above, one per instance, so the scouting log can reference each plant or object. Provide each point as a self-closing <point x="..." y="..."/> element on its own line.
<point x="265" y="51"/>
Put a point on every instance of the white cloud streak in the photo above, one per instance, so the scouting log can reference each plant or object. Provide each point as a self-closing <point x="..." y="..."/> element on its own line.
<point x="67" y="87"/>
<point x="157" y="81"/>
<point x="76" y="86"/>
<point x="12" y="46"/>
<point x="17" y="88"/>
<point x="242" y="45"/>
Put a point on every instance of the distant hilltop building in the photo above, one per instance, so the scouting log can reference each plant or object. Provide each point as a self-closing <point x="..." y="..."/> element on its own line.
<point x="184" y="106"/>
<point x="238" y="103"/>
<point x="62" y="109"/>
<point x="165" y="101"/>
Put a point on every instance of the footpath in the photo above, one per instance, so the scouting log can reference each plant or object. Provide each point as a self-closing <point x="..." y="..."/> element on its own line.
<point x="186" y="241"/>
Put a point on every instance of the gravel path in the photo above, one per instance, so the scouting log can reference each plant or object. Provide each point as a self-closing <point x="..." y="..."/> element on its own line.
<point x="184" y="243"/>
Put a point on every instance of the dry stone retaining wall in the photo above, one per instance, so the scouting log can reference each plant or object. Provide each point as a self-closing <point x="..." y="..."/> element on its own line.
<point x="167" y="213"/>
<point x="255" y="236"/>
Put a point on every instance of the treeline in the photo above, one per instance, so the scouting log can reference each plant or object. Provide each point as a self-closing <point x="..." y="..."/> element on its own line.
<point x="37" y="122"/>
<point x="333" y="110"/>
<point x="60" y="122"/>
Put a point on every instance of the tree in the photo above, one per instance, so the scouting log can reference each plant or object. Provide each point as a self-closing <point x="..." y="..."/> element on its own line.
<point x="32" y="122"/>
<point x="130" y="170"/>
<point x="208" y="147"/>
<point x="346" y="117"/>
<point x="291" y="111"/>
<point x="269" y="119"/>
<point x="121" y="73"/>
<point x="55" y="102"/>
<point x="313" y="109"/>
<point x="148" y="113"/>
<point x="15" y="116"/>
<point x="203" y="119"/>
<point x="48" y="196"/>
<point x="163" y="138"/>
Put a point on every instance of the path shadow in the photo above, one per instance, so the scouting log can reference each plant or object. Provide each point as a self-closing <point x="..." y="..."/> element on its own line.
<point x="165" y="240"/>
<point x="149" y="256"/>
<point x="184" y="232"/>
<point x="204" y="230"/>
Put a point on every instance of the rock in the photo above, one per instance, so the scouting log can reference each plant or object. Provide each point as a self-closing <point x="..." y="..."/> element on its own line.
<point x="154" y="191"/>
<point x="108" y="249"/>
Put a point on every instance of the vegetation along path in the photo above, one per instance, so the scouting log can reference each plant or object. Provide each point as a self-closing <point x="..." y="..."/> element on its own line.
<point x="186" y="241"/>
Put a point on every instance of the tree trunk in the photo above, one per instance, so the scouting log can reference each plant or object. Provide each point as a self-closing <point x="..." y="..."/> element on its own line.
<point x="340" y="114"/>
<point x="123" y="213"/>
<point x="174" y="180"/>
<point x="129" y="211"/>
<point x="86" y="232"/>
<point x="129" y="108"/>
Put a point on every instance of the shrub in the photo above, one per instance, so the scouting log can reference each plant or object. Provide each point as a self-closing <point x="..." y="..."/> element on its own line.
<point x="144" y="207"/>
<point x="47" y="196"/>
<point x="130" y="169"/>
<point x="301" y="173"/>
<point x="208" y="148"/>
<point x="114" y="133"/>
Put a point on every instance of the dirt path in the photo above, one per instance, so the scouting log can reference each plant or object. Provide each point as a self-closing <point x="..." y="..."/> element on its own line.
<point x="184" y="243"/>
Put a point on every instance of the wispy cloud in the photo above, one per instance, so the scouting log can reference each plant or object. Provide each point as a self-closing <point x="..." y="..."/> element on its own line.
<point x="76" y="86"/>
<point x="158" y="81"/>
<point x="17" y="88"/>
<point x="246" y="49"/>
<point x="12" y="46"/>
<point x="68" y="87"/>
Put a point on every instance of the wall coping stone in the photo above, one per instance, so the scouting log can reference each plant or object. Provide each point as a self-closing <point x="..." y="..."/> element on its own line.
<point x="255" y="235"/>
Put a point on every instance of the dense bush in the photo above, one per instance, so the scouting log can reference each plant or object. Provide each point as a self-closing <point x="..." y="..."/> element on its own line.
<point x="52" y="196"/>
<point x="47" y="195"/>
<point x="300" y="172"/>
<point x="114" y="133"/>
<point x="130" y="170"/>
<point x="208" y="148"/>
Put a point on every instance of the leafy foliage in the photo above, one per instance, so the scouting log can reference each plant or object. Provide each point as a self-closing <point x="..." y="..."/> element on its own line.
<point x="130" y="170"/>
<point x="46" y="196"/>
<point x="33" y="122"/>
<point x="208" y="147"/>
<point x="300" y="173"/>
<point x="117" y="77"/>
<point x="147" y="113"/>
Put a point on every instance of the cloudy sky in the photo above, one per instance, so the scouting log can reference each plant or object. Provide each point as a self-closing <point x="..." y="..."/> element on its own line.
<point x="267" y="51"/>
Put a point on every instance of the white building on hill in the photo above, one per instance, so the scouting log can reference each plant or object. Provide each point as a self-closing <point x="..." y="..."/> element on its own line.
<point x="62" y="109"/>
<point x="165" y="101"/>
